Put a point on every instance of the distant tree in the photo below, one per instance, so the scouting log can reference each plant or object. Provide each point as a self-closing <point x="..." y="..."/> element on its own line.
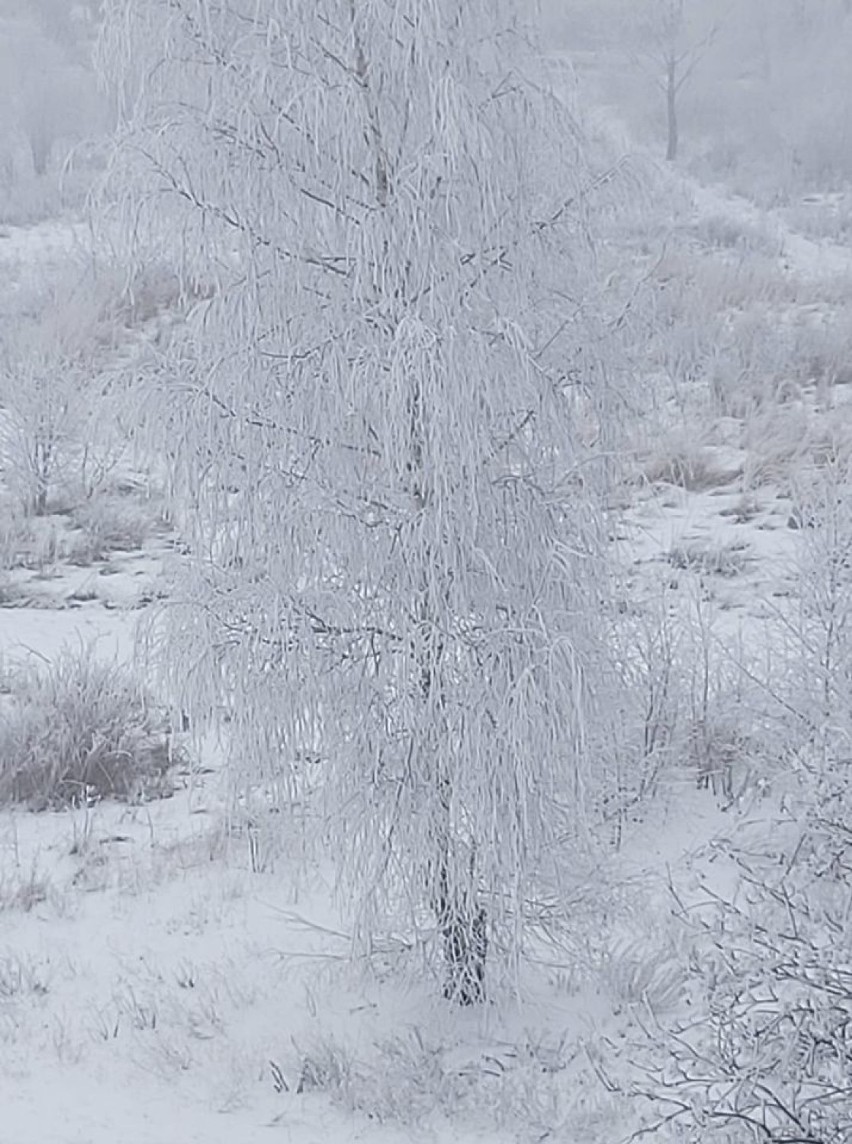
<point x="48" y="87"/>
<point x="671" y="43"/>
<point x="397" y="583"/>
<point x="65" y="107"/>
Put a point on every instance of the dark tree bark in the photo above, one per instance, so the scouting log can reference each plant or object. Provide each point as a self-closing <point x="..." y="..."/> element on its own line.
<point x="464" y="931"/>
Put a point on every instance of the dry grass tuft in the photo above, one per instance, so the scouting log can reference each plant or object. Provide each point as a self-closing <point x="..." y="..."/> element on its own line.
<point x="691" y="469"/>
<point x="78" y="730"/>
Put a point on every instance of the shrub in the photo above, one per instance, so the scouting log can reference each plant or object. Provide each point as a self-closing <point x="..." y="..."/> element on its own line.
<point x="688" y="466"/>
<point x="109" y="524"/>
<point x="81" y="729"/>
<point x="764" y="1051"/>
<point x="725" y="560"/>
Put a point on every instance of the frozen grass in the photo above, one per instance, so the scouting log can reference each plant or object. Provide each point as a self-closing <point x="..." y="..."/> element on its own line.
<point x="80" y="729"/>
<point x="727" y="560"/>
<point x="706" y="286"/>
<point x="86" y="531"/>
<point x="821" y="352"/>
<point x="722" y="232"/>
<point x="640" y="974"/>
<point x="539" y="1087"/>
<point x="25" y="889"/>
<point x="776" y="441"/>
<point x="110" y="524"/>
<point x="687" y="465"/>
<point x="22" y="976"/>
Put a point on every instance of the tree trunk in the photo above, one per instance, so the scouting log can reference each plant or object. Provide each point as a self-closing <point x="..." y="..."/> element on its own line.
<point x="42" y="477"/>
<point x="462" y="921"/>
<point x="671" y="111"/>
<point x="465" y="941"/>
<point x="41" y="145"/>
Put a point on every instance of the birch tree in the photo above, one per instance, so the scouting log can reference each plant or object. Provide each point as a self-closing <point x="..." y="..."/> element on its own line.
<point x="382" y="409"/>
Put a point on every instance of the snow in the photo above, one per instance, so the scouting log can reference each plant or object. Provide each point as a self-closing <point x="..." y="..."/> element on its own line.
<point x="28" y="634"/>
<point x="152" y="980"/>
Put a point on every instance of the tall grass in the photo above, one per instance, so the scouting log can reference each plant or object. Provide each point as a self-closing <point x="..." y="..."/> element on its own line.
<point x="78" y="729"/>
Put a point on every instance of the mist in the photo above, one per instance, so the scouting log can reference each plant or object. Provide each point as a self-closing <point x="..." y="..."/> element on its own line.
<point x="762" y="96"/>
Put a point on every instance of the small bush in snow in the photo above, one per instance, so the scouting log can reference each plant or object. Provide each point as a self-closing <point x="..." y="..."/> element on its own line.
<point x="109" y="524"/>
<point x="763" y="1053"/>
<point x="726" y="560"/>
<point x="688" y="466"/>
<point x="77" y="730"/>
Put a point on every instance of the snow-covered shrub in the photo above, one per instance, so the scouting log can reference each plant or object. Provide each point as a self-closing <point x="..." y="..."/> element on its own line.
<point x="110" y="524"/>
<point x="749" y="368"/>
<point x="764" y="1051"/>
<point x="69" y="406"/>
<point x="82" y="536"/>
<point x="821" y="352"/>
<point x="820" y="630"/>
<point x="58" y="428"/>
<point x="726" y="560"/>
<point x="78" y="729"/>
<point x="776" y="442"/>
<point x="646" y="728"/>
<point x="28" y="542"/>
<point x="40" y="429"/>
<point x="687" y="463"/>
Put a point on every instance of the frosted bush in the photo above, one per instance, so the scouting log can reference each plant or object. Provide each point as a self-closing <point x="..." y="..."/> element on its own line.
<point x="77" y="730"/>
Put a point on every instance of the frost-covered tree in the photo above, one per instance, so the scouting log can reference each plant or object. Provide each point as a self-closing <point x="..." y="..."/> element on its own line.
<point x="58" y="393"/>
<point x="382" y="411"/>
<point x="49" y="93"/>
<point x="672" y="42"/>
